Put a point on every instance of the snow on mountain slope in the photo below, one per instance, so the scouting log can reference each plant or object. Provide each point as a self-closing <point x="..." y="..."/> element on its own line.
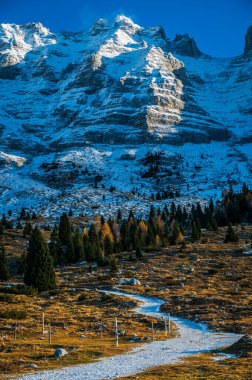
<point x="76" y="104"/>
<point x="18" y="40"/>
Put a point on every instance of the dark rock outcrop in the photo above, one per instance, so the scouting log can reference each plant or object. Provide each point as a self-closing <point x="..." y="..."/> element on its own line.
<point x="185" y="45"/>
<point x="248" y="41"/>
<point x="242" y="347"/>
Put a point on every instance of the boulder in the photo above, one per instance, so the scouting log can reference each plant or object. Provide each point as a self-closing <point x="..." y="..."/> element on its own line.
<point x="32" y="365"/>
<point x="60" y="352"/>
<point x="242" y="347"/>
<point x="134" y="281"/>
<point x="134" y="338"/>
<point x="121" y="332"/>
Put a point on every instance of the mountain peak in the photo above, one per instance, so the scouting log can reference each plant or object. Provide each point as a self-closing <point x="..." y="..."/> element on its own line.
<point x="99" y="27"/>
<point x="125" y="22"/>
<point x="186" y="45"/>
<point x="18" y="40"/>
<point x="248" y="41"/>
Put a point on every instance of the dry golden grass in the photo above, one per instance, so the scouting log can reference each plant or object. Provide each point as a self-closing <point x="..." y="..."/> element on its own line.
<point x="207" y="281"/>
<point x="75" y="327"/>
<point x="200" y="368"/>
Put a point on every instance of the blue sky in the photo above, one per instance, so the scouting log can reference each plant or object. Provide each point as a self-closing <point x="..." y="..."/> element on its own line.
<point x="218" y="26"/>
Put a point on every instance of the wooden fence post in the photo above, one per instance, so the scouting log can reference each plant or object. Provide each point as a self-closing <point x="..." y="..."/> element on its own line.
<point x="116" y="332"/>
<point x="50" y="333"/>
<point x="15" y="331"/>
<point x="43" y="323"/>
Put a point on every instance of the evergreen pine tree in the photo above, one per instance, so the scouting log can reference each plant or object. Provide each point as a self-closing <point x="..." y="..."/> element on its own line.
<point x="211" y="206"/>
<point x="78" y="246"/>
<point x="221" y="217"/>
<point x="176" y="234"/>
<point x="195" y="233"/>
<point x="193" y="212"/>
<point x="1" y="228"/>
<point x="94" y="250"/>
<point x="163" y="216"/>
<point x="152" y="212"/>
<point x="131" y="216"/>
<point x="100" y="259"/>
<point x="133" y="234"/>
<point x="150" y="236"/>
<point x="119" y="216"/>
<point x="108" y="245"/>
<point x="124" y="234"/>
<point x="19" y="225"/>
<point x="213" y="223"/>
<point x="34" y="216"/>
<point x="201" y="219"/>
<point x="23" y="214"/>
<point x="139" y="253"/>
<point x="233" y="212"/>
<point x="166" y="210"/>
<point x="185" y="215"/>
<point x="179" y="214"/>
<point x="173" y="210"/>
<point x="4" y="268"/>
<point x="27" y="229"/>
<point x="70" y="257"/>
<point x="245" y="189"/>
<point x="39" y="271"/>
<point x="4" y="220"/>
<point x="231" y="236"/>
<point x="209" y="227"/>
<point x="198" y="225"/>
<point x="113" y="265"/>
<point x="9" y="224"/>
<point x="64" y="229"/>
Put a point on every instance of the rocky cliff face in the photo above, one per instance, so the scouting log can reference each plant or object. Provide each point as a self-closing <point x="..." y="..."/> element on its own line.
<point x="18" y="40"/>
<point x="185" y="45"/>
<point x="248" y="41"/>
<point x="117" y="84"/>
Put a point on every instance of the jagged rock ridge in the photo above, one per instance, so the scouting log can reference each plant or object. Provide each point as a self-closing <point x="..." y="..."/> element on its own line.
<point x="115" y="83"/>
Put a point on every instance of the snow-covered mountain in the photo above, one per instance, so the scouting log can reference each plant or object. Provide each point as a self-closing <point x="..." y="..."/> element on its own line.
<point x="84" y="108"/>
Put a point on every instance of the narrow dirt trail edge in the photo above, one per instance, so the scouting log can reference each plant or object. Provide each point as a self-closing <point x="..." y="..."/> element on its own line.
<point x="193" y="339"/>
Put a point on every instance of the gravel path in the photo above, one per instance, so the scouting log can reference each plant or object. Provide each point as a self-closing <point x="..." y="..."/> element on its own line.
<point x="194" y="339"/>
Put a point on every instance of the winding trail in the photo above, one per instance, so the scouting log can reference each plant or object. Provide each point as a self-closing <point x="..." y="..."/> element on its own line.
<point x="193" y="339"/>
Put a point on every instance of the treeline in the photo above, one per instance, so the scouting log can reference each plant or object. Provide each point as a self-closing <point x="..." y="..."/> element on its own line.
<point x="236" y="207"/>
<point x="102" y="239"/>
<point x="163" y="227"/>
